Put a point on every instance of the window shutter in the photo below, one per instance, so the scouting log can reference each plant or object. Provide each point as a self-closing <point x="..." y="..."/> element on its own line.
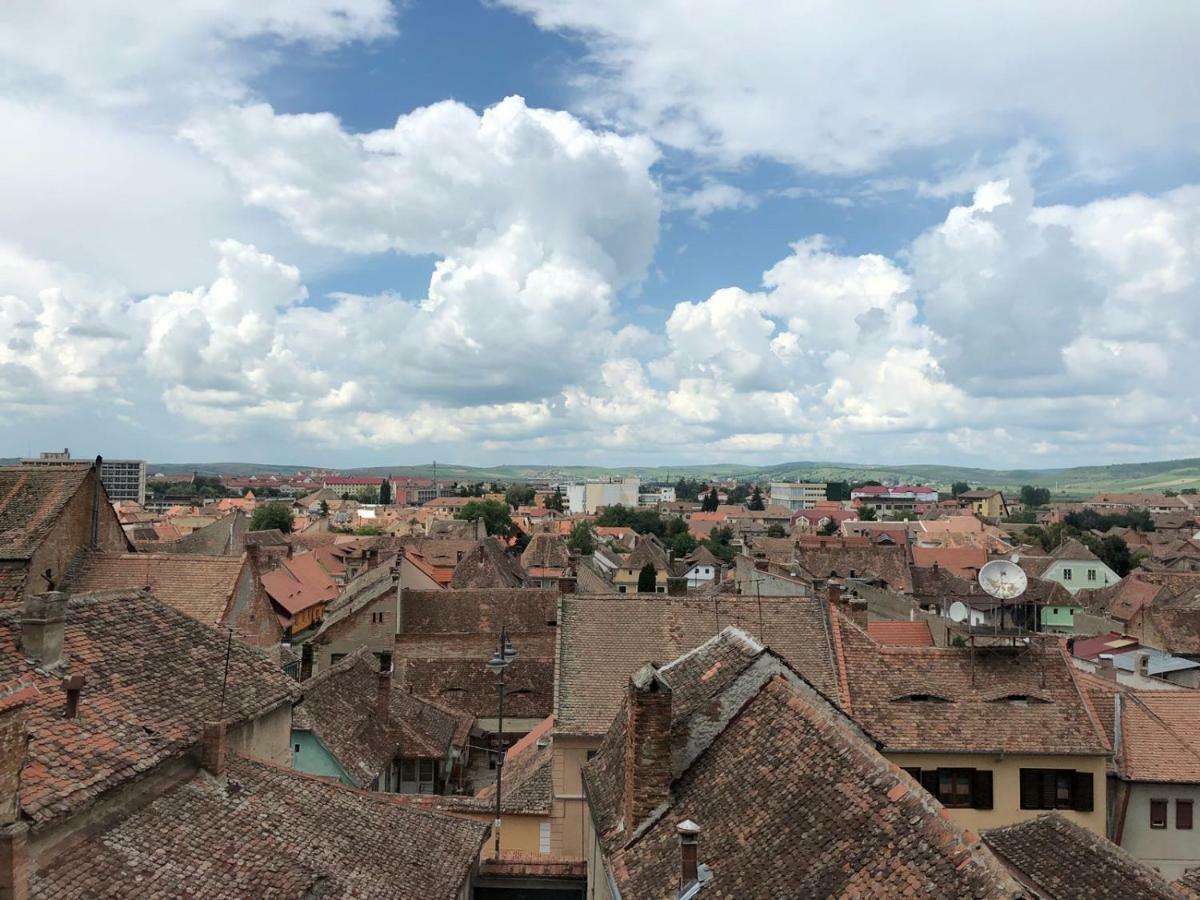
<point x="1183" y="814"/>
<point x="1031" y="791"/>
<point x="1081" y="791"/>
<point x="1047" y="789"/>
<point x="914" y="772"/>
<point x="929" y="780"/>
<point x="981" y="789"/>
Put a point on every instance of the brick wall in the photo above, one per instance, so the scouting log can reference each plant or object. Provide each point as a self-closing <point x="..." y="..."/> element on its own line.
<point x="647" y="747"/>
<point x="72" y="533"/>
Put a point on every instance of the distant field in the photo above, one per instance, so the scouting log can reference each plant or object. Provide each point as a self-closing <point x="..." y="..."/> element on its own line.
<point x="1074" y="482"/>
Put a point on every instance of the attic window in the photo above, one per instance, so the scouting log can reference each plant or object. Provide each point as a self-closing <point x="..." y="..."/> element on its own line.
<point x="920" y="698"/>
<point x="1016" y="699"/>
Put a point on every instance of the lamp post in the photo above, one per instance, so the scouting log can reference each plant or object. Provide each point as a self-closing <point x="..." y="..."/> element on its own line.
<point x="505" y="654"/>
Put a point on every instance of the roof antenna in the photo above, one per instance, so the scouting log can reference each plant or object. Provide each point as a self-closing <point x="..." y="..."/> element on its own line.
<point x="225" y="677"/>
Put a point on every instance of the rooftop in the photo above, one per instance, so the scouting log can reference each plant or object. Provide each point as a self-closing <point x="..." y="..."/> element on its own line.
<point x="31" y="500"/>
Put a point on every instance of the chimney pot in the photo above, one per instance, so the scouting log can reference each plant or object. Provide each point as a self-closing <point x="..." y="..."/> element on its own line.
<point x="213" y="748"/>
<point x="689" y="853"/>
<point x="43" y="618"/>
<point x="73" y="685"/>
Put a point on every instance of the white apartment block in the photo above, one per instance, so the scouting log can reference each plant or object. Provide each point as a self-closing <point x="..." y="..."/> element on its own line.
<point x="593" y="495"/>
<point x="123" y="479"/>
<point x="796" y="495"/>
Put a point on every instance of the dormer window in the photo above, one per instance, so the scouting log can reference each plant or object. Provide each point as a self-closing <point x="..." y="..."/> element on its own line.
<point x="1017" y="699"/>
<point x="920" y="698"/>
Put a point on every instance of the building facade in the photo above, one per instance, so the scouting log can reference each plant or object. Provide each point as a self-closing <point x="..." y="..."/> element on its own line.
<point x="123" y="479"/>
<point x="798" y="495"/>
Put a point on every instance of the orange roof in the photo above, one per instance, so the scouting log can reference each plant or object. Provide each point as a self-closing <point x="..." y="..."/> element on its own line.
<point x="908" y="634"/>
<point x="965" y="562"/>
<point x="702" y="516"/>
<point x="1160" y="736"/>
<point x="299" y="583"/>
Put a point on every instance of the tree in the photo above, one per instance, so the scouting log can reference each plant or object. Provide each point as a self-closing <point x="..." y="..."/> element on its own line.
<point x="368" y="531"/>
<point x="643" y="521"/>
<point x="273" y="515"/>
<point x="828" y="529"/>
<point x="738" y="495"/>
<point x="385" y="491"/>
<point x="688" y="489"/>
<point x="683" y="543"/>
<point x="711" y="501"/>
<point x="959" y="487"/>
<point x="648" y="579"/>
<point x="520" y="495"/>
<point x="324" y="507"/>
<point x="582" y="538"/>
<point x="867" y="514"/>
<point x="756" y="500"/>
<point x="556" y="500"/>
<point x="1188" y="491"/>
<point x="1115" y="553"/>
<point x="720" y="542"/>
<point x="776" y="530"/>
<point x="495" y="516"/>
<point x="1170" y="493"/>
<point x="1034" y="496"/>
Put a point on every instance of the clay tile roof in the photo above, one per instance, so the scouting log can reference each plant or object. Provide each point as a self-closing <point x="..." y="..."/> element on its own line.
<point x="269" y="831"/>
<point x="833" y="819"/>
<point x="478" y="611"/>
<point x="548" y="551"/>
<point x="298" y="583"/>
<point x="1160" y="736"/>
<point x="911" y="634"/>
<point x="889" y="562"/>
<point x="153" y="677"/>
<point x="1188" y="883"/>
<point x="887" y="686"/>
<point x="962" y="561"/>
<point x="527" y="775"/>
<point x="31" y="500"/>
<point x="1072" y="550"/>
<point x="197" y="586"/>
<point x="488" y="566"/>
<point x="1179" y="629"/>
<point x="646" y="551"/>
<point x="603" y="639"/>
<point x="1062" y="859"/>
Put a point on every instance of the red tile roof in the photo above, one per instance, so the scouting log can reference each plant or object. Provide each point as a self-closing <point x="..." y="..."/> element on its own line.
<point x="269" y="831"/>
<point x="31" y="500"/>
<point x="299" y="583"/>
<point x="962" y="561"/>
<point x="197" y="586"/>
<point x="911" y="634"/>
<point x="1160" y="736"/>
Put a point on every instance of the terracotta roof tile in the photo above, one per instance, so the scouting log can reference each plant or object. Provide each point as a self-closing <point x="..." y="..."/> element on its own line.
<point x="1062" y="859"/>
<point x="267" y="831"/>
<point x="1160" y="736"/>
<point x="31" y="500"/>
<point x="912" y="634"/>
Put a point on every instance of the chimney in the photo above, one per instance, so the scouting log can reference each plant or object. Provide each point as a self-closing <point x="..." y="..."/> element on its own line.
<point x="689" y="853"/>
<point x="43" y="618"/>
<point x="383" y="695"/>
<point x="14" y="849"/>
<point x="1107" y="669"/>
<point x="857" y="609"/>
<point x="73" y="685"/>
<point x="213" y="748"/>
<point x="647" y="746"/>
<point x="835" y="593"/>
<point x="1142" y="661"/>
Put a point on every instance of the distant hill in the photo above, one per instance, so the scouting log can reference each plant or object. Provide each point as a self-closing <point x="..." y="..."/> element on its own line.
<point x="1070" y="482"/>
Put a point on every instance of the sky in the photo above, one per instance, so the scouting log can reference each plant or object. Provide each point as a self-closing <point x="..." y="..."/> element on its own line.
<point x="604" y="232"/>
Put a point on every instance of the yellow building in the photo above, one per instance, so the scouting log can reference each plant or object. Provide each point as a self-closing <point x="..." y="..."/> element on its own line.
<point x="985" y="503"/>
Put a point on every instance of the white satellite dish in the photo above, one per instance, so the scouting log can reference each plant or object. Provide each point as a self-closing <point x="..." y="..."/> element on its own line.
<point x="958" y="611"/>
<point x="1003" y="579"/>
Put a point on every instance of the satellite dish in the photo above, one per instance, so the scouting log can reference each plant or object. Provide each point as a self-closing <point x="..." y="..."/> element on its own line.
<point x="1003" y="579"/>
<point x="958" y="611"/>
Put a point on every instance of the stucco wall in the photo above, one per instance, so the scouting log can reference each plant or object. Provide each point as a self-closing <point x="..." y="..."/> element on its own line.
<point x="359" y="631"/>
<point x="267" y="737"/>
<point x="569" y="809"/>
<point x="1079" y="569"/>
<point x="251" y="615"/>
<point x="1169" y="849"/>
<point x="1006" y="785"/>
<point x="313" y="758"/>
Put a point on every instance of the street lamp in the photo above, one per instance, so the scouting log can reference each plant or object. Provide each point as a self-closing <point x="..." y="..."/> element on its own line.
<point x="503" y="657"/>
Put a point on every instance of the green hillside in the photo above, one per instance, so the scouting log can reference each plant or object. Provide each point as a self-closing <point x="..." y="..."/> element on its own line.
<point x="1072" y="482"/>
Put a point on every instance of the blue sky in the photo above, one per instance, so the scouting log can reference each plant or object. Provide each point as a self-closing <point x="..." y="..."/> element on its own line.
<point x="329" y="232"/>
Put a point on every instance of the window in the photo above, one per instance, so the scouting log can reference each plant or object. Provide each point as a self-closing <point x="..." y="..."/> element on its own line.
<point x="1158" y="813"/>
<point x="1066" y="574"/>
<point x="418" y="776"/>
<point x="957" y="788"/>
<point x="544" y="837"/>
<point x="297" y="748"/>
<point x="1056" y="789"/>
<point x="335" y="658"/>
<point x="1091" y="574"/>
<point x="1183" y="815"/>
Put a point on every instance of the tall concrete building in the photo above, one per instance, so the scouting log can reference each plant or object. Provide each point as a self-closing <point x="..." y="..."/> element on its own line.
<point x="123" y="479"/>
<point x="593" y="495"/>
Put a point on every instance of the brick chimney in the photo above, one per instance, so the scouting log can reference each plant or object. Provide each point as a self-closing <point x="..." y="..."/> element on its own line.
<point x="835" y="593"/>
<point x="689" y="853"/>
<point x="383" y="695"/>
<point x="1107" y="669"/>
<point x="214" y="747"/>
<point x="856" y="608"/>
<point x="647" y="746"/>
<point x="43" y="618"/>
<point x="14" y="848"/>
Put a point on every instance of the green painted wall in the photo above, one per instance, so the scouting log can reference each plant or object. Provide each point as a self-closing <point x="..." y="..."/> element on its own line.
<point x="1061" y="616"/>
<point x="309" y="755"/>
